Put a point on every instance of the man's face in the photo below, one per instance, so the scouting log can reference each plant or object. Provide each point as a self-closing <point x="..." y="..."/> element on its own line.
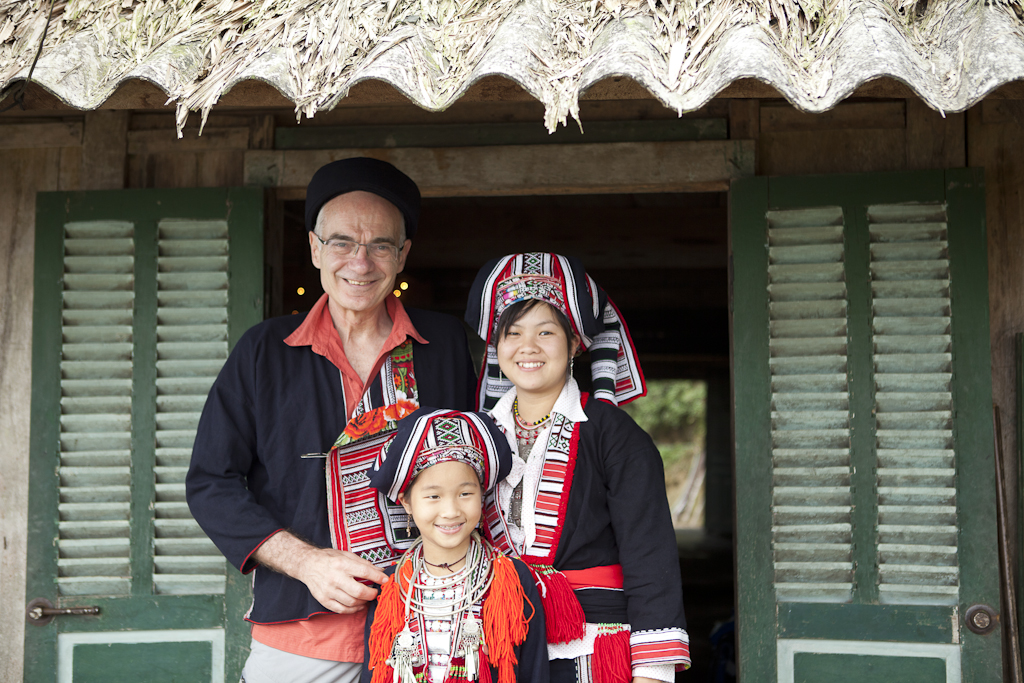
<point x="356" y="282"/>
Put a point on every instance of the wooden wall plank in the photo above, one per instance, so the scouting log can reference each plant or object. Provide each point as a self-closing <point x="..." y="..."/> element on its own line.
<point x="995" y="136"/>
<point x="219" y="168"/>
<point x="832" y="151"/>
<point x="103" y="150"/>
<point x="172" y="170"/>
<point x="704" y="166"/>
<point x="779" y="117"/>
<point x="22" y="174"/>
<point x="36" y="135"/>
<point x="156" y="141"/>
<point x="934" y="141"/>
<point x="70" y="168"/>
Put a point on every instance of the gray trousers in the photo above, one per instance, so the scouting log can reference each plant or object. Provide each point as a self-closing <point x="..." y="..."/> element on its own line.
<point x="270" y="665"/>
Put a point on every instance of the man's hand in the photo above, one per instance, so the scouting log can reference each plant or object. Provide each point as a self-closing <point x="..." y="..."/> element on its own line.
<point x="329" y="574"/>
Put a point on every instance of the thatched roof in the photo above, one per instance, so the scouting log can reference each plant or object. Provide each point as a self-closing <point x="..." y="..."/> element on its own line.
<point x="814" y="52"/>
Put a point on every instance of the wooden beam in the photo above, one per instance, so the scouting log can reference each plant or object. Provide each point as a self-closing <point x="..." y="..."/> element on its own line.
<point x="156" y="141"/>
<point x="41" y="135"/>
<point x="703" y="166"/>
<point x="104" y="150"/>
<point x="779" y="117"/>
<point x="492" y="134"/>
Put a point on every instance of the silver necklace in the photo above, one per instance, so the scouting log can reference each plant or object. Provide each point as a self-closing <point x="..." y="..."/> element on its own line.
<point x="467" y="633"/>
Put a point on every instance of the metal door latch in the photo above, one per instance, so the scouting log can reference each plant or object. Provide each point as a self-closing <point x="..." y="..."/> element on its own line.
<point x="981" y="619"/>
<point x="41" y="611"/>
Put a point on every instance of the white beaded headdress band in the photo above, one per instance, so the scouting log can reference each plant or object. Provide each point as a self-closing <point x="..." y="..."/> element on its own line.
<point x="429" y="437"/>
<point x="562" y="282"/>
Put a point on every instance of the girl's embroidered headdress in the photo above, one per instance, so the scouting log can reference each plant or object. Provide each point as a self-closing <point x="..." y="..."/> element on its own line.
<point x="429" y="437"/>
<point x="561" y="282"/>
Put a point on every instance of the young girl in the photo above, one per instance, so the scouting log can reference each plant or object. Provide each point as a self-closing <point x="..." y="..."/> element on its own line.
<point x="584" y="504"/>
<point x="455" y="610"/>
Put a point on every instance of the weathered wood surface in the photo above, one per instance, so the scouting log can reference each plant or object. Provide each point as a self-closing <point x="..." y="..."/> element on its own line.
<point x="165" y="140"/>
<point x="22" y="174"/>
<point x="39" y="135"/>
<point x="103" y="150"/>
<point x="859" y="137"/>
<point x="934" y="141"/>
<point x="705" y="166"/>
<point x="995" y="136"/>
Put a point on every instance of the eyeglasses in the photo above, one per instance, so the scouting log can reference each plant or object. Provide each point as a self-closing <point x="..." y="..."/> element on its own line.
<point x="375" y="251"/>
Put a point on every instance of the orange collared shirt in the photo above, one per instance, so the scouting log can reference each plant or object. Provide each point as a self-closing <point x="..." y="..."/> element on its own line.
<point x="334" y="637"/>
<point x="317" y="331"/>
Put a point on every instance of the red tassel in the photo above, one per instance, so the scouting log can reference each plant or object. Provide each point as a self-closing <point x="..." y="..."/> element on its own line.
<point x="611" y="662"/>
<point x="485" y="668"/>
<point x="563" y="615"/>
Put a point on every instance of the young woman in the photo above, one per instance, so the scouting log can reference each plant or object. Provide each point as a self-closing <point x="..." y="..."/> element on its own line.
<point x="584" y="504"/>
<point x="455" y="609"/>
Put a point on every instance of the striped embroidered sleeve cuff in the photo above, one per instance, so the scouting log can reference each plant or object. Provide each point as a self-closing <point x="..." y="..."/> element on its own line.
<point x="660" y="646"/>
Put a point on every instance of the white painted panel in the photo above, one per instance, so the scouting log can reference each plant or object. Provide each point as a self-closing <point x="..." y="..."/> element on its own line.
<point x="66" y="643"/>
<point x="787" y="648"/>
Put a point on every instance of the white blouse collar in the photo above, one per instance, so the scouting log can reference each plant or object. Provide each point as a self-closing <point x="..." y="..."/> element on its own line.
<point x="568" y="405"/>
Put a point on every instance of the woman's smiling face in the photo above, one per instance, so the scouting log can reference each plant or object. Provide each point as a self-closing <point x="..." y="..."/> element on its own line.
<point x="534" y="353"/>
<point x="446" y="503"/>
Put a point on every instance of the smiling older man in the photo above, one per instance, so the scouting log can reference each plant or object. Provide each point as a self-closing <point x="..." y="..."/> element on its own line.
<point x="259" y="484"/>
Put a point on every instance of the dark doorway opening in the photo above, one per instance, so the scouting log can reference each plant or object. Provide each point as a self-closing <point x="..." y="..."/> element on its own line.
<point x="663" y="259"/>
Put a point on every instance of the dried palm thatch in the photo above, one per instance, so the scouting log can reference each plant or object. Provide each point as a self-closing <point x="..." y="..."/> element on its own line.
<point x="952" y="52"/>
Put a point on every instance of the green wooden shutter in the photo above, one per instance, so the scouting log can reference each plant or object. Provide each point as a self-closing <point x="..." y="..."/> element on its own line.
<point x="865" y="515"/>
<point x="139" y="296"/>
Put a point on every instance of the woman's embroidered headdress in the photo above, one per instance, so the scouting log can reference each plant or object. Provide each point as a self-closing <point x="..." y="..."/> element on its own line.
<point x="429" y="437"/>
<point x="562" y="282"/>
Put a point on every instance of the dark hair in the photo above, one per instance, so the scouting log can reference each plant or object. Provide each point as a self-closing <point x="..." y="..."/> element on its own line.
<point x="516" y="311"/>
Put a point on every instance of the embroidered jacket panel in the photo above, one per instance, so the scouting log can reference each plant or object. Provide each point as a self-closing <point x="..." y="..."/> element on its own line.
<point x="532" y="655"/>
<point x="617" y="513"/>
<point x="272" y="403"/>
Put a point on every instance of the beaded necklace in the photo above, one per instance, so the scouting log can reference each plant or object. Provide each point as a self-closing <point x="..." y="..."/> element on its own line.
<point x="523" y="423"/>
<point x="466" y="632"/>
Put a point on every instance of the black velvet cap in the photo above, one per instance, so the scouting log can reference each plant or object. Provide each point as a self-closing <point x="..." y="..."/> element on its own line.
<point x="368" y="175"/>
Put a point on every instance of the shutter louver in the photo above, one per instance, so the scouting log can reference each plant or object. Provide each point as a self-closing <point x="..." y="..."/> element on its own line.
<point x="917" y="509"/>
<point x="811" y="499"/>
<point x="192" y="345"/>
<point x="96" y="409"/>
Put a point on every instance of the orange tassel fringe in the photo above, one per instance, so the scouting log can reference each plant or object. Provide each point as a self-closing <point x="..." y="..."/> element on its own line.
<point x="563" y="615"/>
<point x="388" y="622"/>
<point x="504" y="622"/>
<point x="611" y="662"/>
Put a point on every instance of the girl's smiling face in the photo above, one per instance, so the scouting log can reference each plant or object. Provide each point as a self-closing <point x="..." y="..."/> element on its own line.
<point x="446" y="503"/>
<point x="534" y="353"/>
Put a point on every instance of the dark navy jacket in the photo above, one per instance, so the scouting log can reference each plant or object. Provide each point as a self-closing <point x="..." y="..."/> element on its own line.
<point x="272" y="403"/>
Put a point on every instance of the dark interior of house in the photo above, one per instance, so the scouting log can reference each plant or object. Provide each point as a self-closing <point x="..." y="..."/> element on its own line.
<point x="663" y="259"/>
